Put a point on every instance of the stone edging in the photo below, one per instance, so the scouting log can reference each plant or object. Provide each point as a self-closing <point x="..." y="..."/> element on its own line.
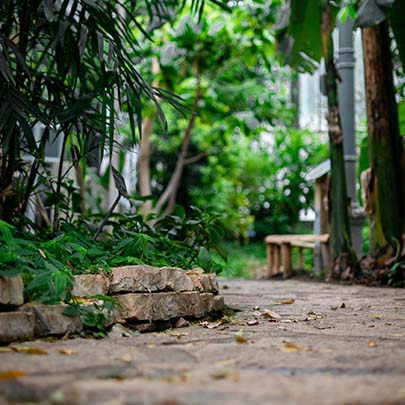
<point x="145" y="293"/>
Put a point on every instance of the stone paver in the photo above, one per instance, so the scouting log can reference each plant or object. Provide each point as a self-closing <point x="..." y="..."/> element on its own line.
<point x="164" y="306"/>
<point x="11" y="291"/>
<point x="144" y="278"/>
<point x="51" y="320"/>
<point x="16" y="326"/>
<point x="87" y="285"/>
<point x="331" y="344"/>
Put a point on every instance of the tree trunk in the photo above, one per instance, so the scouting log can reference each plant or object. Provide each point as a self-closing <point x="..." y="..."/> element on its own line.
<point x="169" y="195"/>
<point x="144" y="150"/>
<point x="144" y="159"/>
<point x="343" y="256"/>
<point x="385" y="185"/>
<point x="295" y="97"/>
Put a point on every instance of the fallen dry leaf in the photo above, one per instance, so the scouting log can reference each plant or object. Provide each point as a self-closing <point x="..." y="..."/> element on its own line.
<point x="214" y="325"/>
<point x="227" y="363"/>
<point x="288" y="320"/>
<point x="252" y="322"/>
<point x="313" y="316"/>
<point x="376" y="316"/>
<point x="270" y="315"/>
<point x="67" y="352"/>
<point x="240" y="338"/>
<point x="178" y="335"/>
<point x="287" y="301"/>
<point x="5" y="375"/>
<point x="210" y="325"/>
<point x="222" y="374"/>
<point x="290" y="347"/>
<point x="5" y="349"/>
<point x="28" y="350"/>
<point x="372" y="343"/>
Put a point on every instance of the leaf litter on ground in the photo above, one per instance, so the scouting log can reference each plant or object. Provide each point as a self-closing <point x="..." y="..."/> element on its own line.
<point x="224" y="320"/>
<point x="287" y="301"/>
<point x="28" y="350"/>
<point x="290" y="347"/>
<point x="271" y="315"/>
<point x="67" y="352"/>
<point x="314" y="316"/>
<point x="225" y="374"/>
<point x="240" y="338"/>
<point x="12" y="374"/>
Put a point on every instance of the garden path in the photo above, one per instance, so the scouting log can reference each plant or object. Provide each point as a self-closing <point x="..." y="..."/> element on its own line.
<point x="290" y="341"/>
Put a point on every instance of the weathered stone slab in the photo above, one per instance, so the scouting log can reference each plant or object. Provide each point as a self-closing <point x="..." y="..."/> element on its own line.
<point x="203" y="282"/>
<point x="218" y="303"/>
<point x="144" y="278"/>
<point x="11" y="290"/>
<point x="16" y="326"/>
<point x="165" y="305"/>
<point x="214" y="287"/>
<point x="87" y="285"/>
<point x="50" y="320"/>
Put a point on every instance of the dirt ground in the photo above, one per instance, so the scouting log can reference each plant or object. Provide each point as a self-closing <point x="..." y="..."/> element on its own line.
<point x="288" y="342"/>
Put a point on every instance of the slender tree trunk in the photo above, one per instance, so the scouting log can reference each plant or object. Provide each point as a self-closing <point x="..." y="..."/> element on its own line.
<point x="295" y="97"/>
<point x="385" y="182"/>
<point x="144" y="159"/>
<point x="169" y="195"/>
<point x="343" y="256"/>
<point x="144" y="151"/>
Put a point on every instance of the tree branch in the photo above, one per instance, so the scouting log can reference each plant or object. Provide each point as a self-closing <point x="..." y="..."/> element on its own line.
<point x="195" y="158"/>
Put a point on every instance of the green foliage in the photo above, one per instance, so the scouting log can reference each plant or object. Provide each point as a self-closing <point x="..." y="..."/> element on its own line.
<point x="95" y="316"/>
<point x="48" y="262"/>
<point x="253" y="164"/>
<point x="70" y="67"/>
<point x="260" y="186"/>
<point x="175" y="240"/>
<point x="401" y="113"/>
<point x="244" y="260"/>
<point x="47" y="278"/>
<point x="249" y="260"/>
<point x="299" y="32"/>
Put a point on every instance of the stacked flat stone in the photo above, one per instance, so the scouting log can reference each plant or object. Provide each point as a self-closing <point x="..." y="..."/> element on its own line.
<point x="14" y="325"/>
<point x="149" y="293"/>
<point x="145" y="293"/>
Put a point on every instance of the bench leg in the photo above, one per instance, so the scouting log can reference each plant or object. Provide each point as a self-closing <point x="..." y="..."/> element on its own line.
<point x="276" y="260"/>
<point x="301" y="258"/>
<point x="269" y="260"/>
<point x="286" y="259"/>
<point x="325" y="252"/>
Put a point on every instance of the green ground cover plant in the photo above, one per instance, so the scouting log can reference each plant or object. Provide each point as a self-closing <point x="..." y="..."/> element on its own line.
<point x="48" y="261"/>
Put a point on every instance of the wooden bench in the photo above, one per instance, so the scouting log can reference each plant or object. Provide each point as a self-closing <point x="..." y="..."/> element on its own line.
<point x="279" y="251"/>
